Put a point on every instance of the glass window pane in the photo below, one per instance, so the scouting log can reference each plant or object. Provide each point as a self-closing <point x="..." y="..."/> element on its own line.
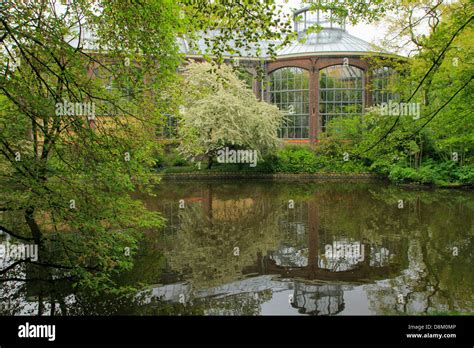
<point x="292" y="89"/>
<point x="341" y="91"/>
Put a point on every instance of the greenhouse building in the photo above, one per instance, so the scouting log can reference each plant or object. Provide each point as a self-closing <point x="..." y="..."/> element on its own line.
<point x="317" y="77"/>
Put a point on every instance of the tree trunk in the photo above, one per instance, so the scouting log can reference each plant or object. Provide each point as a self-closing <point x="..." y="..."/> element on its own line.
<point x="34" y="228"/>
<point x="209" y="162"/>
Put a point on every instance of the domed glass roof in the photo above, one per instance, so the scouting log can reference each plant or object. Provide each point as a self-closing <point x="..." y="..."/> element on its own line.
<point x="331" y="39"/>
<point x="305" y="19"/>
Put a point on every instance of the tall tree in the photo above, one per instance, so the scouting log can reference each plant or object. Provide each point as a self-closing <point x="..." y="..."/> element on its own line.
<point x="83" y="86"/>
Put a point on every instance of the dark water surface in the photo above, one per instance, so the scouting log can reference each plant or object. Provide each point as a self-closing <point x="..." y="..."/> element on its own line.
<point x="293" y="248"/>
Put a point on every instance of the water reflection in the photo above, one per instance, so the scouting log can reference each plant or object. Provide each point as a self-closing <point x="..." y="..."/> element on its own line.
<point x="246" y="248"/>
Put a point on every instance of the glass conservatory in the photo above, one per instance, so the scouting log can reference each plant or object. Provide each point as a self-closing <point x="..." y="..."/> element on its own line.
<point x="319" y="77"/>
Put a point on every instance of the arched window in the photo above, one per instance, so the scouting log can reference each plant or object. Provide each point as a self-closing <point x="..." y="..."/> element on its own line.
<point x="289" y="90"/>
<point x="341" y="92"/>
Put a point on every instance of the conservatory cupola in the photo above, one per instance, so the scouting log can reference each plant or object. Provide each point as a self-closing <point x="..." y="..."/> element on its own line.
<point x="332" y="29"/>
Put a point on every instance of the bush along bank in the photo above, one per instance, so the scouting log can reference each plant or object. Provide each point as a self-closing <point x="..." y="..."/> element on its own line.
<point x="328" y="159"/>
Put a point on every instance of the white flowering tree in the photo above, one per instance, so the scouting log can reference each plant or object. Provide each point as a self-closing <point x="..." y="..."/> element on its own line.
<point x="220" y="110"/>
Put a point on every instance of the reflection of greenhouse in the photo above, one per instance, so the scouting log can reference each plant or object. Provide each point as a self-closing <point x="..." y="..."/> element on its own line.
<point x="282" y="246"/>
<point x="318" y="299"/>
<point x="289" y="257"/>
<point x="306" y="249"/>
<point x="342" y="255"/>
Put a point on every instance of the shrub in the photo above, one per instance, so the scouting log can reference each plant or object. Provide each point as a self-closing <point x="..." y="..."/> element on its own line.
<point x="172" y="158"/>
<point x="296" y="159"/>
<point x="465" y="174"/>
<point x="304" y="159"/>
<point x="433" y="173"/>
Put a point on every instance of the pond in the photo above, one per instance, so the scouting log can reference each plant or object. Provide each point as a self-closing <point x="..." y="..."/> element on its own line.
<point x="300" y="248"/>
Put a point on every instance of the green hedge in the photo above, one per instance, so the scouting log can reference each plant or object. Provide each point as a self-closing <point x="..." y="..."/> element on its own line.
<point x="328" y="158"/>
<point x="305" y="159"/>
<point x="431" y="172"/>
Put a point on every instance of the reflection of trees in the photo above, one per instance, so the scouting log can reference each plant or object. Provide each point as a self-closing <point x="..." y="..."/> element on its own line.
<point x="436" y="280"/>
<point x="204" y="250"/>
<point x="33" y="297"/>
<point x="24" y="300"/>
<point x="432" y="283"/>
<point x="239" y="304"/>
<point x="409" y="251"/>
<point x="48" y="291"/>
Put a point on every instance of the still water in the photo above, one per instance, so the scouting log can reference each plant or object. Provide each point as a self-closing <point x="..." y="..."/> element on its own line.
<point x="301" y="248"/>
<point x="314" y="248"/>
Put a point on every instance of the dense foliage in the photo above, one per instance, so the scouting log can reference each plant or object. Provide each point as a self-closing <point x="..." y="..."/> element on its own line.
<point x="66" y="177"/>
<point x="67" y="181"/>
